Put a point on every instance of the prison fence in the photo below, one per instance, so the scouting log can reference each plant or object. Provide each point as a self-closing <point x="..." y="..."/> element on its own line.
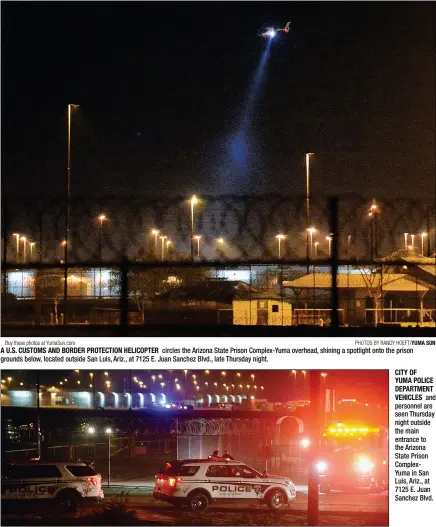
<point x="357" y="268"/>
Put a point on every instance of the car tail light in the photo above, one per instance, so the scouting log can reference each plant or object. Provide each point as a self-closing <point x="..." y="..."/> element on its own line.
<point x="172" y="482"/>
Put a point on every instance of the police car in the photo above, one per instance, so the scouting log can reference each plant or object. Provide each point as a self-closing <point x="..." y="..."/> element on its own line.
<point x="64" y="484"/>
<point x="197" y="483"/>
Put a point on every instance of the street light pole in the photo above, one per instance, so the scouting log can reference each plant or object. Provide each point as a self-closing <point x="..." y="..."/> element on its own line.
<point x="329" y="239"/>
<point x="24" y="240"/>
<point x="280" y="237"/>
<point x="198" y="238"/>
<point x="310" y="233"/>
<point x="423" y="235"/>
<point x="102" y="217"/>
<point x="67" y="216"/>
<point x="193" y="201"/>
<point x="308" y="203"/>
<point x="109" y="432"/>
<point x="31" y="250"/>
<point x="155" y="233"/>
<point x="163" y="238"/>
<point x="18" y="245"/>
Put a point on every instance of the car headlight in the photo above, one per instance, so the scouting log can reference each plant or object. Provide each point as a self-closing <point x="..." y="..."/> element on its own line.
<point x="321" y="466"/>
<point x="365" y="465"/>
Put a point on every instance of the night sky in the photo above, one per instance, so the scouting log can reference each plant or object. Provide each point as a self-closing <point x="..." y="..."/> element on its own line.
<point x="162" y="85"/>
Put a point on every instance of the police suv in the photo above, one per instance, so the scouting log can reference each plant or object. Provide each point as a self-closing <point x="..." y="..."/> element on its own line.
<point x="199" y="482"/>
<point x="63" y="484"/>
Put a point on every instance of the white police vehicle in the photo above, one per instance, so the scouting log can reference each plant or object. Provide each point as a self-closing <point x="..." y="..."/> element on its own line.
<point x="197" y="483"/>
<point x="63" y="484"/>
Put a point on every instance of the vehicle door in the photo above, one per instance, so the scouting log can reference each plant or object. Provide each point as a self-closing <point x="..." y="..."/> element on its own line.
<point x="246" y="480"/>
<point x="25" y="482"/>
<point x="222" y="483"/>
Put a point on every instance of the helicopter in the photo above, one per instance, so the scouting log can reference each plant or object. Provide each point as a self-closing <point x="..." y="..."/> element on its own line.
<point x="271" y="32"/>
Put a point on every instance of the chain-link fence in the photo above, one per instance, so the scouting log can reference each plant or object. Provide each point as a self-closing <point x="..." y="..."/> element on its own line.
<point x="357" y="264"/>
<point x="230" y="228"/>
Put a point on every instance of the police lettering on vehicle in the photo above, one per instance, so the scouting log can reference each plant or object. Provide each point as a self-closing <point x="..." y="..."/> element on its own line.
<point x="26" y="490"/>
<point x="232" y="488"/>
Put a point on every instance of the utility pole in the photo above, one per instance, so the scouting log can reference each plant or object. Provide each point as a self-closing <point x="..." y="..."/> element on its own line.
<point x="315" y="420"/>
<point x="38" y="419"/>
<point x="308" y="249"/>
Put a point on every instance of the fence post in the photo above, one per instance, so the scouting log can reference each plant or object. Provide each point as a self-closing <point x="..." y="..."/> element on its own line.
<point x="334" y="229"/>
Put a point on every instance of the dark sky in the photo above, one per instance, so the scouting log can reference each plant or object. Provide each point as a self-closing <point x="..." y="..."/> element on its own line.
<point x="161" y="86"/>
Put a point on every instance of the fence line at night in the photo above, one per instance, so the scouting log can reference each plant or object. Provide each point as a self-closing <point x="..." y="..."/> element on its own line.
<point x="231" y="228"/>
<point x="282" y="289"/>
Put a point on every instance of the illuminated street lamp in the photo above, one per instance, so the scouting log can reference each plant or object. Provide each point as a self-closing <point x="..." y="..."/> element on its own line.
<point x="31" y="249"/>
<point x="280" y="237"/>
<point x="413" y="241"/>
<point x="193" y="202"/>
<point x="310" y="232"/>
<point x="155" y="233"/>
<point x="315" y="246"/>
<point x="17" y="236"/>
<point x="220" y="244"/>
<point x="372" y="214"/>
<point x="169" y="242"/>
<point x="406" y="238"/>
<point x="198" y="238"/>
<point x="423" y="235"/>
<point x="162" y="239"/>
<point x="102" y="218"/>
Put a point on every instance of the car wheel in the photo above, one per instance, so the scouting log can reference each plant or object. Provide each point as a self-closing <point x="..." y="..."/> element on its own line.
<point x="68" y="501"/>
<point x="198" y="502"/>
<point x="276" y="499"/>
